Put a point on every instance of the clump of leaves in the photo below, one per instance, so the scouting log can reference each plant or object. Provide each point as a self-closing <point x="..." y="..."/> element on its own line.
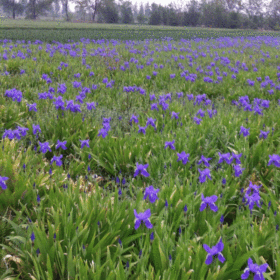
<point x="13" y="67"/>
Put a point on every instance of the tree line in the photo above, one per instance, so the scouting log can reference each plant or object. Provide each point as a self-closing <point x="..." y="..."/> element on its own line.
<point x="252" y="14"/>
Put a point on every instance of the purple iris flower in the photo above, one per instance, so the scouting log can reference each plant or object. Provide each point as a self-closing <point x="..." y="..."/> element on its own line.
<point x="274" y="159"/>
<point x="32" y="237"/>
<point x="190" y="97"/>
<point x="91" y="106"/>
<point x="164" y="106"/>
<point x="258" y="110"/>
<point x="253" y="188"/>
<point x="236" y="158"/>
<point x="152" y="97"/>
<point x="204" y="160"/>
<point x="22" y="130"/>
<point x="203" y="174"/>
<point x="134" y="118"/>
<point x="144" y="216"/>
<point x="84" y="143"/>
<point x="210" y="113"/>
<point x="8" y="133"/>
<point x="197" y="120"/>
<point x="210" y="201"/>
<point x="183" y="157"/>
<point x="224" y="158"/>
<point x="103" y="132"/>
<point x="59" y="103"/>
<point x="151" y="122"/>
<point x="253" y="199"/>
<point x="201" y="113"/>
<point x="263" y="134"/>
<point x="154" y="106"/>
<point x="142" y="129"/>
<point x="141" y="168"/>
<point x="257" y="269"/>
<point x="61" y="144"/>
<point x="170" y="145"/>
<point x="238" y="170"/>
<point x="180" y="94"/>
<point x="3" y="183"/>
<point x="152" y="193"/>
<point x="247" y="107"/>
<point x="80" y="99"/>
<point x="214" y="251"/>
<point x="36" y="128"/>
<point x="265" y="103"/>
<point x="174" y="115"/>
<point x="44" y="147"/>
<point x="32" y="107"/>
<point x="244" y="131"/>
<point x="57" y="160"/>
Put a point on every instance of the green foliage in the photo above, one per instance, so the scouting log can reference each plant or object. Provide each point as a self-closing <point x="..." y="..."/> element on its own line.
<point x="13" y="66"/>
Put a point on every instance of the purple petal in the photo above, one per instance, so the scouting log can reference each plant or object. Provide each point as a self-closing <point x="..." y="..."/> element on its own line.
<point x="263" y="267"/>
<point x="147" y="213"/>
<point x="202" y="206"/>
<point x="209" y="259"/>
<point x="148" y="224"/>
<point x="246" y="274"/>
<point x="137" y="224"/>
<point x="220" y="245"/>
<point x="213" y="207"/>
<point x="207" y="248"/>
<point x="145" y="173"/>
<point x="221" y="258"/>
<point x="135" y="214"/>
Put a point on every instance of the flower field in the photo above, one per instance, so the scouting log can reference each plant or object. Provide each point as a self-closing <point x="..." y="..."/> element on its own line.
<point x="153" y="159"/>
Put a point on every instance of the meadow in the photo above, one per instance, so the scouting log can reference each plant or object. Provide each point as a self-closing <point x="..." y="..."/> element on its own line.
<point x="140" y="159"/>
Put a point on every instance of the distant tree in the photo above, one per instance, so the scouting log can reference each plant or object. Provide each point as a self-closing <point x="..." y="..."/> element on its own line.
<point x="220" y="16"/>
<point x="192" y="15"/>
<point x="155" y="17"/>
<point x="173" y="18"/>
<point x="56" y="8"/>
<point x="164" y="12"/>
<point x="253" y="9"/>
<point x="135" y="10"/>
<point x="109" y="11"/>
<point x="234" y="20"/>
<point x="147" y="10"/>
<point x="273" y="15"/>
<point x="80" y="9"/>
<point x="12" y="7"/>
<point x="213" y="14"/>
<point x="36" y="8"/>
<point x="234" y="5"/>
<point x="141" y="16"/>
<point x="126" y="12"/>
<point x="65" y="9"/>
